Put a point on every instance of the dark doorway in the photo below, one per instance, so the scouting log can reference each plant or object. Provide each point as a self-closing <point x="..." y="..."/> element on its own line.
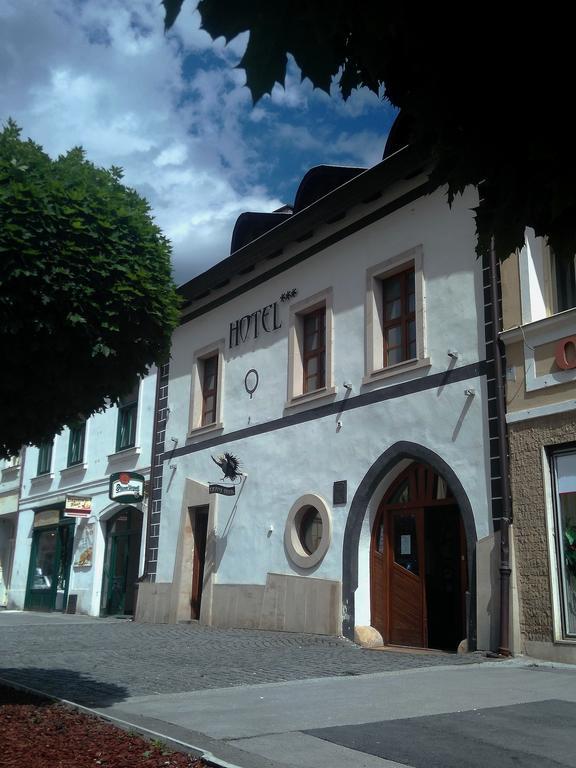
<point x="418" y="563"/>
<point x="444" y="573"/>
<point x="199" y="533"/>
<point x="123" y="535"/>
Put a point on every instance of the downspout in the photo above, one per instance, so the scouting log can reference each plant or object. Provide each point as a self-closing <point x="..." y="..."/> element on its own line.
<point x="505" y="570"/>
<point x="153" y="474"/>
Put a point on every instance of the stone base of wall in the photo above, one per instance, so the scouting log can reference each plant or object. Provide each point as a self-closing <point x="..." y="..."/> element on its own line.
<point x="563" y="653"/>
<point x="153" y="602"/>
<point x="15" y="600"/>
<point x="289" y="603"/>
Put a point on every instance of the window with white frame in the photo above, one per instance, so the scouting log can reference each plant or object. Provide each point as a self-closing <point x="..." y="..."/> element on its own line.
<point x="310" y="348"/>
<point x="45" y="458"/>
<point x="395" y="315"/>
<point x="564" y="474"/>
<point x="207" y="377"/>
<point x="127" y="418"/>
<point x="76" y="443"/>
<point x="547" y="280"/>
<point x="563" y="281"/>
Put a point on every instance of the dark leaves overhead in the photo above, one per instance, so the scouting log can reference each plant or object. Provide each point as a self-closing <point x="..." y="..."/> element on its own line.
<point x="488" y="93"/>
<point x="172" y="9"/>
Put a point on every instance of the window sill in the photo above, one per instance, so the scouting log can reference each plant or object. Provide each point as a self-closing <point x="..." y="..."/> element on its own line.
<point x="10" y="473"/>
<point x="40" y="478"/>
<point x="125" y="453"/>
<point x="197" y="431"/>
<point x="73" y="469"/>
<point x="318" y="394"/>
<point x="394" y="370"/>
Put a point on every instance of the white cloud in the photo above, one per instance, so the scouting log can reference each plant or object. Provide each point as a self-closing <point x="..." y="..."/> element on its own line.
<point x="170" y="109"/>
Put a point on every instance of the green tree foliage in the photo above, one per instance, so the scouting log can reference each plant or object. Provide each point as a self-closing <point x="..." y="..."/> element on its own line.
<point x="482" y="91"/>
<point x="87" y="300"/>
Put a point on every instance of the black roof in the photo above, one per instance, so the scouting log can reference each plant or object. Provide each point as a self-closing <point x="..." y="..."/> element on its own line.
<point x="258" y="236"/>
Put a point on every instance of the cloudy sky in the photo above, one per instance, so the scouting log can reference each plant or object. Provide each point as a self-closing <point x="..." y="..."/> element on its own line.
<point x="174" y="113"/>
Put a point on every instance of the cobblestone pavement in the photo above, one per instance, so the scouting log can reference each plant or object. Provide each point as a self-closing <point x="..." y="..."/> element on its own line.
<point x="98" y="662"/>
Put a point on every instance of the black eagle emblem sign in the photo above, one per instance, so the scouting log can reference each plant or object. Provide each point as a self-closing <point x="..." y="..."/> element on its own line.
<point x="229" y="465"/>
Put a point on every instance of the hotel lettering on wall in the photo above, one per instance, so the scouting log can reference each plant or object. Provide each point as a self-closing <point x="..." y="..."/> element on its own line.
<point x="249" y="326"/>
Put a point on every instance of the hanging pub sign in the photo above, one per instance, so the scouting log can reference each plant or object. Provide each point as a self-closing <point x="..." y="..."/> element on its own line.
<point x="126" y="487"/>
<point x="224" y="490"/>
<point x="78" y="506"/>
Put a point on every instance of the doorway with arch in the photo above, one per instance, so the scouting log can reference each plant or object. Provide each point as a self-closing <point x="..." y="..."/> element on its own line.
<point x="418" y="563"/>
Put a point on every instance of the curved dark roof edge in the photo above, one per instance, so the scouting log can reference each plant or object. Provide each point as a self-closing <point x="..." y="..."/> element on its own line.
<point x="403" y="163"/>
<point x="252" y="224"/>
<point x="399" y="135"/>
<point x="320" y="180"/>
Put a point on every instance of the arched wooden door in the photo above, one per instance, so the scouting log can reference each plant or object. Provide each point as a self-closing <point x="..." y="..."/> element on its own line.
<point x="418" y="563"/>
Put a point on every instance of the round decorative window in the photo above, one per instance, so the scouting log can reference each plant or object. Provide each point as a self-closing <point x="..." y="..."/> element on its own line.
<point x="309" y="528"/>
<point x="308" y="531"/>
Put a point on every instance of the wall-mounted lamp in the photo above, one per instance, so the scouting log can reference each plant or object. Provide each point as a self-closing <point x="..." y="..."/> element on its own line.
<point x="347" y="386"/>
<point x="174" y="440"/>
<point x="470" y="392"/>
<point x="453" y="353"/>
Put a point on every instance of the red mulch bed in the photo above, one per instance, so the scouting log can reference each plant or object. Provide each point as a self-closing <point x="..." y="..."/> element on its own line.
<point x="37" y="733"/>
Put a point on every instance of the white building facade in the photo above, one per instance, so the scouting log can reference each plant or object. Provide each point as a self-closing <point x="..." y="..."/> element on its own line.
<point x="88" y="564"/>
<point x="340" y="354"/>
<point x="9" y="490"/>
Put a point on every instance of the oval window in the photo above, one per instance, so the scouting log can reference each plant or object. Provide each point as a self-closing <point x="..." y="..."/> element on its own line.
<point x="310" y="529"/>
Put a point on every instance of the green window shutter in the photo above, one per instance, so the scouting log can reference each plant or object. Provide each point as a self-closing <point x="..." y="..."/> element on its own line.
<point x="44" y="458"/>
<point x="126" y="435"/>
<point x="76" y="444"/>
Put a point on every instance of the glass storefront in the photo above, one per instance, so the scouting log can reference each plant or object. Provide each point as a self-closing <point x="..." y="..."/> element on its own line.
<point x="564" y="466"/>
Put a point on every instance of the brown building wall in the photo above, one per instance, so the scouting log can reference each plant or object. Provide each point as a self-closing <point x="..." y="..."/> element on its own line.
<point x="530" y="528"/>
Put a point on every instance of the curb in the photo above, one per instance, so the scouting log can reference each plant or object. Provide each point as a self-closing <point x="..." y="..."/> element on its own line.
<point x="208" y="757"/>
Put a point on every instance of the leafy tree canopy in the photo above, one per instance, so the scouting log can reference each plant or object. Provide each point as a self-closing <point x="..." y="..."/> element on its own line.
<point x="482" y="91"/>
<point x="87" y="300"/>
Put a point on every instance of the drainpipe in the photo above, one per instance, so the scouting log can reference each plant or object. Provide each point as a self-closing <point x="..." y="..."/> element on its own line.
<point x="154" y="470"/>
<point x="505" y="570"/>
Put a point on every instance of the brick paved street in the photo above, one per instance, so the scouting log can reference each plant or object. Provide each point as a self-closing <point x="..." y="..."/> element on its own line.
<point x="104" y="661"/>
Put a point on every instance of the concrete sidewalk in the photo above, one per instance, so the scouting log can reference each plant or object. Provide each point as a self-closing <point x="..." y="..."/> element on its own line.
<point x="503" y="713"/>
<point x="272" y="700"/>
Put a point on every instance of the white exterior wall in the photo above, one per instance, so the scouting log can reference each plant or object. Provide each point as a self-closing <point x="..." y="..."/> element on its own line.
<point x="283" y="464"/>
<point x="9" y="488"/>
<point x="88" y="479"/>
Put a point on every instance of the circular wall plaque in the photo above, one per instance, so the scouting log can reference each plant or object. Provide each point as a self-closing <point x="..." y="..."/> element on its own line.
<point x="251" y="381"/>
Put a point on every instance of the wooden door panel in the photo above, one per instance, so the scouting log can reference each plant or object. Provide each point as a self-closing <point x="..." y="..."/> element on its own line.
<point x="378" y="591"/>
<point x="406" y="577"/>
<point x="406" y="607"/>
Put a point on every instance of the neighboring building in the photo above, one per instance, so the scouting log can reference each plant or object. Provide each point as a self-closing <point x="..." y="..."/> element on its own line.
<point x="9" y="489"/>
<point x="539" y="307"/>
<point x="340" y="354"/>
<point x="84" y="564"/>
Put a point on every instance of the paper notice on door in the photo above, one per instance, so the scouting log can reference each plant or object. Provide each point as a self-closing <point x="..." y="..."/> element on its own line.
<point x="405" y="544"/>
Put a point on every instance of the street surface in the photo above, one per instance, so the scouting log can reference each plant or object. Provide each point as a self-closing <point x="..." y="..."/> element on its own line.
<point x="270" y="699"/>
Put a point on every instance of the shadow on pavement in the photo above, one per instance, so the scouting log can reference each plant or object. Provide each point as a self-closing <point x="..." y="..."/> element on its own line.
<point x="65" y="684"/>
